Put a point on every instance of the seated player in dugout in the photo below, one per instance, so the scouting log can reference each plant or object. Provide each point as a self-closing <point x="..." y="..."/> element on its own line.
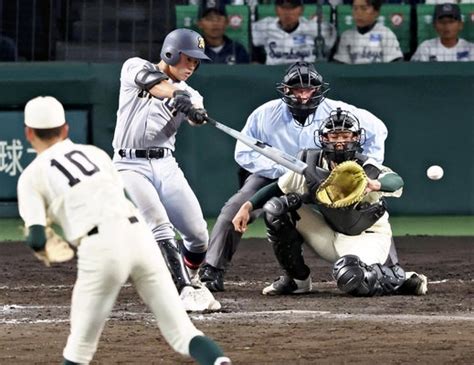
<point x="370" y="41"/>
<point x="213" y="23"/>
<point x="356" y="240"/>
<point x="290" y="37"/>
<point x="448" y="46"/>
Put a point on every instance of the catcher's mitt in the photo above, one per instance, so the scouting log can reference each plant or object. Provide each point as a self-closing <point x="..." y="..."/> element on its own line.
<point x="55" y="249"/>
<point x="344" y="186"/>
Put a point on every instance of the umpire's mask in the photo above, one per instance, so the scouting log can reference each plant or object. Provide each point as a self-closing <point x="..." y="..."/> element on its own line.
<point x="299" y="77"/>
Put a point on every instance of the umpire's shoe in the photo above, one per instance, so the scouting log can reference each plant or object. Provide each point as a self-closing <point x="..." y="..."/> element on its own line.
<point x="286" y="285"/>
<point x="212" y="278"/>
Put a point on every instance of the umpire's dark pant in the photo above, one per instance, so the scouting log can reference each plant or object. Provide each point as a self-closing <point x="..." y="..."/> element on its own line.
<point x="224" y="239"/>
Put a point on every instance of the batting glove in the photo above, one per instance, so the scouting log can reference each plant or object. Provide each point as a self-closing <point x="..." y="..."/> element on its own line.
<point x="182" y="101"/>
<point x="198" y="116"/>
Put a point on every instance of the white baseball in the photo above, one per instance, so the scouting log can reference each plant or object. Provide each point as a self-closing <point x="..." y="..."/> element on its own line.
<point x="435" y="172"/>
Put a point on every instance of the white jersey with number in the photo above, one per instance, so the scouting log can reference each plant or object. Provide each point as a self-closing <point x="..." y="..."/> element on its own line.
<point x="378" y="45"/>
<point x="75" y="186"/>
<point x="434" y="50"/>
<point x="144" y="121"/>
<point x="282" y="47"/>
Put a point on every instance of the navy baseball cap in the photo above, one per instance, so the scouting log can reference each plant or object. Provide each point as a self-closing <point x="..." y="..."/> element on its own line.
<point x="211" y="6"/>
<point x="289" y="3"/>
<point x="447" y="10"/>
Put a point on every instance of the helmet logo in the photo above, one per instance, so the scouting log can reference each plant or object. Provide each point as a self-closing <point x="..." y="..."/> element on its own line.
<point x="201" y="43"/>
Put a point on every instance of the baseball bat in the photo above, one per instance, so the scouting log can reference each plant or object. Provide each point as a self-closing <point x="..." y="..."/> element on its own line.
<point x="274" y="154"/>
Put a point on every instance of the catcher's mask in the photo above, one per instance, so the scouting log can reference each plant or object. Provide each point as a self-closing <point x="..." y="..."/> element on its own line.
<point x="302" y="75"/>
<point x="340" y="121"/>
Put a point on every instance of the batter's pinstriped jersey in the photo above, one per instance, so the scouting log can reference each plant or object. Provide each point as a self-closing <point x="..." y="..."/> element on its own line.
<point x="378" y="45"/>
<point x="433" y="50"/>
<point x="144" y="121"/>
<point x="74" y="185"/>
<point x="283" y="48"/>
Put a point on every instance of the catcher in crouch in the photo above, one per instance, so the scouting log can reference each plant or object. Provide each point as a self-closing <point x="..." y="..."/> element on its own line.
<point x="337" y="207"/>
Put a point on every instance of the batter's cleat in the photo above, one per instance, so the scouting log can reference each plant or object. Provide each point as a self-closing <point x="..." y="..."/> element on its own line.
<point x="286" y="285"/>
<point x="194" y="277"/>
<point x="198" y="300"/>
<point x="415" y="284"/>
<point x="212" y="278"/>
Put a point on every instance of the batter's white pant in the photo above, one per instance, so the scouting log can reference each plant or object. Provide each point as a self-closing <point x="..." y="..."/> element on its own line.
<point x="105" y="261"/>
<point x="371" y="246"/>
<point x="163" y="196"/>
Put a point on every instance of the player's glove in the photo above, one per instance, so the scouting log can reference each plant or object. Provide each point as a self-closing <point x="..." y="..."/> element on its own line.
<point x="344" y="186"/>
<point x="55" y="250"/>
<point x="182" y="101"/>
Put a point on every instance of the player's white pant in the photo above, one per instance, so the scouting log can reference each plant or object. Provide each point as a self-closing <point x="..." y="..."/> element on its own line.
<point x="161" y="192"/>
<point x="371" y="246"/>
<point x="105" y="260"/>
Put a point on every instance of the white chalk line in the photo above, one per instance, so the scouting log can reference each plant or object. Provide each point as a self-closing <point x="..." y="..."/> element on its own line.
<point x="231" y="283"/>
<point x="276" y="316"/>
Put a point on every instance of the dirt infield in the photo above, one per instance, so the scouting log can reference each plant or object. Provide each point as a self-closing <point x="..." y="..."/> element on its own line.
<point x="323" y="327"/>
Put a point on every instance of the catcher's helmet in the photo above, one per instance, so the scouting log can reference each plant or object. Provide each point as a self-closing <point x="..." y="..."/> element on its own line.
<point x="302" y="75"/>
<point x="184" y="41"/>
<point x="340" y="121"/>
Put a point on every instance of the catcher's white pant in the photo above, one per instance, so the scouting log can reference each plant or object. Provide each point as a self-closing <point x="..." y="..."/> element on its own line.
<point x="371" y="246"/>
<point x="119" y="250"/>
<point x="162" y="194"/>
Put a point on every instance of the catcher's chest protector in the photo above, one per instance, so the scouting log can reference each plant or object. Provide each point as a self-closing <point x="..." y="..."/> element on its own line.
<point x="352" y="220"/>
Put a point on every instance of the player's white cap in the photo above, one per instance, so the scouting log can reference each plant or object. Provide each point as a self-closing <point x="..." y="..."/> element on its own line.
<point x="44" y="112"/>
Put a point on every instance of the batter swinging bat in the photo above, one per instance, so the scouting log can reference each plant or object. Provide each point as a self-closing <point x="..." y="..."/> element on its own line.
<point x="265" y="149"/>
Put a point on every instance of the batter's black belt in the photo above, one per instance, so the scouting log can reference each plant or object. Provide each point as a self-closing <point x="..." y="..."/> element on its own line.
<point x="95" y="230"/>
<point x="157" y="152"/>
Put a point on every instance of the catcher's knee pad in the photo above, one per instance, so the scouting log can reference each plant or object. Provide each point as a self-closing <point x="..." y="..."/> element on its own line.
<point x="356" y="278"/>
<point x="389" y="278"/>
<point x="351" y="275"/>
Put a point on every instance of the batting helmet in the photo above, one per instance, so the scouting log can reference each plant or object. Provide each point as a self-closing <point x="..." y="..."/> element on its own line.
<point x="302" y="75"/>
<point x="340" y="121"/>
<point x="184" y="41"/>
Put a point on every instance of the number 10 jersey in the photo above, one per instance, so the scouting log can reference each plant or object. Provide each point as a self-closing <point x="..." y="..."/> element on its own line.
<point x="75" y="186"/>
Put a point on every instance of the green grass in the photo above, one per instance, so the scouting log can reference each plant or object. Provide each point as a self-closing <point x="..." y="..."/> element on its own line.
<point x="403" y="226"/>
<point x="11" y="228"/>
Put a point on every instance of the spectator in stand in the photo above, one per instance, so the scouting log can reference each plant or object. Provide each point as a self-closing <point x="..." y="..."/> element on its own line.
<point x="448" y="46"/>
<point x="369" y="42"/>
<point x="219" y="48"/>
<point x="289" y="37"/>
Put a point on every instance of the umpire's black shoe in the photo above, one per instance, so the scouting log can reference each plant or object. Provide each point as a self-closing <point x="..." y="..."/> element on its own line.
<point x="212" y="278"/>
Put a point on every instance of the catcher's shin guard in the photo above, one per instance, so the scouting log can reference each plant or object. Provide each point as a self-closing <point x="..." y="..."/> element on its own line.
<point x="356" y="278"/>
<point x="175" y="263"/>
<point x="286" y="242"/>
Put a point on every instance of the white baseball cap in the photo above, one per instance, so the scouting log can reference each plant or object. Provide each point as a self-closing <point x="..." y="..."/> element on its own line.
<point x="44" y="112"/>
